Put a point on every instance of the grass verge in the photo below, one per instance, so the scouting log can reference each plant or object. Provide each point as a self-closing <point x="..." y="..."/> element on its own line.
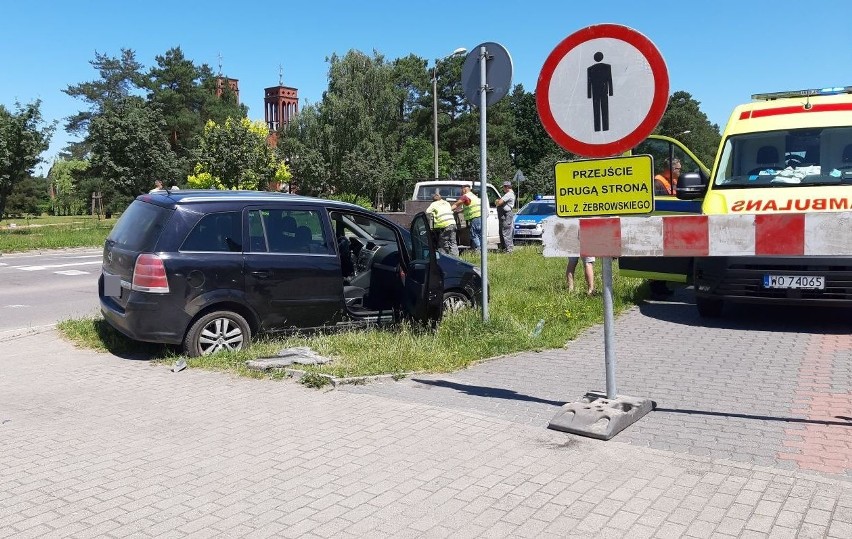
<point x="53" y="233"/>
<point x="525" y="289"/>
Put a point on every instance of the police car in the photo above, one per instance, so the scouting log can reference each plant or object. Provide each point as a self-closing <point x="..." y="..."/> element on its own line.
<point x="528" y="220"/>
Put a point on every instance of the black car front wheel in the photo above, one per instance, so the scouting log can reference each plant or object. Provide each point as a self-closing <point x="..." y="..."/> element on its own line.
<point x="215" y="332"/>
<point x="456" y="301"/>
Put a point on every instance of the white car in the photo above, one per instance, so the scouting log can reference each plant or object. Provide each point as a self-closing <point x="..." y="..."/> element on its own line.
<point x="451" y="190"/>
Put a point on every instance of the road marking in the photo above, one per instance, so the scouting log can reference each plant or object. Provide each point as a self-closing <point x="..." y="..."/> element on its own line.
<point x="15" y="306"/>
<point x="51" y="266"/>
<point x="72" y="272"/>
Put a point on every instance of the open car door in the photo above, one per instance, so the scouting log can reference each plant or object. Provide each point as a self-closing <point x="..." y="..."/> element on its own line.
<point x="423" y="294"/>
<point x="690" y="190"/>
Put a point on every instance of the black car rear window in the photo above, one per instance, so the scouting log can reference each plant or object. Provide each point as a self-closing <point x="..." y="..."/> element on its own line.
<point x="139" y="227"/>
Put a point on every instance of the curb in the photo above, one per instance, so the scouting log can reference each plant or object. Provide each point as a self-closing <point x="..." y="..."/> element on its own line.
<point x="297" y="375"/>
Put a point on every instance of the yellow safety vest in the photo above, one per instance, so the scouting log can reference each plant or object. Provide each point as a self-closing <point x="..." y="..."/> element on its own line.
<point x="442" y="213"/>
<point x="474" y="209"/>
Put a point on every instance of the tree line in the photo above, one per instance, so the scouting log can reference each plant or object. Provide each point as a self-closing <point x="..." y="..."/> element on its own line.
<point x="367" y="140"/>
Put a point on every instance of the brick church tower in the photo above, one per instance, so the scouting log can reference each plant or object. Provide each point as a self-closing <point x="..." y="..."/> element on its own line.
<point x="281" y="105"/>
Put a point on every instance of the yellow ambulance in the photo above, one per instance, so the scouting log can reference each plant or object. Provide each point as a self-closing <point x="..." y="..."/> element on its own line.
<point x="782" y="152"/>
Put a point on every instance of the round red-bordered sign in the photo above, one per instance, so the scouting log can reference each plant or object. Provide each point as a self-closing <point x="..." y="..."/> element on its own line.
<point x="549" y="85"/>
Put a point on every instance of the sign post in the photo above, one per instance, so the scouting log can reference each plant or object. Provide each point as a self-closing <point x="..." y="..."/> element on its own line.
<point x="601" y="91"/>
<point x="486" y="77"/>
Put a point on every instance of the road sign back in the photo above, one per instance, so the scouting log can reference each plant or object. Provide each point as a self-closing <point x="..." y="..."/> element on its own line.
<point x="602" y="90"/>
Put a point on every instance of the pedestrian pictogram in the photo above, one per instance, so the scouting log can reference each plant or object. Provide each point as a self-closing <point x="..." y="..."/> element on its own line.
<point x="602" y="90"/>
<point x="599" y="86"/>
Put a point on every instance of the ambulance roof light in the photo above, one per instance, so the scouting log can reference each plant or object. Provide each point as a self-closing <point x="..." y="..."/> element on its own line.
<point x="804" y="93"/>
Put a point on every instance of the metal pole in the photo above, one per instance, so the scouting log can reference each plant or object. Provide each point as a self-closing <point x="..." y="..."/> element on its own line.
<point x="483" y="177"/>
<point x="435" y="113"/>
<point x="609" y="329"/>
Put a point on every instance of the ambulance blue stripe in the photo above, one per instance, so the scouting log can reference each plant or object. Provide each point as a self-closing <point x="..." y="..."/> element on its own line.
<point x="677" y="206"/>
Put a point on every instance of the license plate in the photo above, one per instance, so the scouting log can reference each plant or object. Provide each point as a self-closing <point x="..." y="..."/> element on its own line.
<point x="112" y="285"/>
<point x="811" y="282"/>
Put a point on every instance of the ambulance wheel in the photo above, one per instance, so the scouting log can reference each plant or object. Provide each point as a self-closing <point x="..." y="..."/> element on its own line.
<point x="659" y="289"/>
<point x="709" y="307"/>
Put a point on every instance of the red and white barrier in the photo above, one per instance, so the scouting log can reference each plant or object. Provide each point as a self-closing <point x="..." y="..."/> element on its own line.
<point x="788" y="234"/>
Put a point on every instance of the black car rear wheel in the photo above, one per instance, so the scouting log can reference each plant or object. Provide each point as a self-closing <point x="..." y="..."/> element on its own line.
<point x="215" y="332"/>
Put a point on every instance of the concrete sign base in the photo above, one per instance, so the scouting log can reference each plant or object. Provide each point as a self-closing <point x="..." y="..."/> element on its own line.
<point x="596" y="416"/>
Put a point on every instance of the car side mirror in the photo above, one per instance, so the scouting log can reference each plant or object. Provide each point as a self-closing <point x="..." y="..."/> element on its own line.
<point x="691" y="185"/>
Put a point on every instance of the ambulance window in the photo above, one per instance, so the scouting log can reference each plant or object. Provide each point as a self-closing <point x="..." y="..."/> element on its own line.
<point x="688" y="163"/>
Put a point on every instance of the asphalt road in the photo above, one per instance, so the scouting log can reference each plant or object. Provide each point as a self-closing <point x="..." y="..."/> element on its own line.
<point x="42" y="288"/>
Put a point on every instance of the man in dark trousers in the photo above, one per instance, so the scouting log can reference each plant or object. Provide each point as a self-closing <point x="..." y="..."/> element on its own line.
<point x="506" y="216"/>
<point x="599" y="90"/>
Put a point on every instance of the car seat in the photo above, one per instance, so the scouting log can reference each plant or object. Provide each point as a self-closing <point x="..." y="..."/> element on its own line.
<point x="846" y="158"/>
<point x="846" y="164"/>
<point x="302" y="239"/>
<point x="767" y="158"/>
<point x="227" y="234"/>
<point x="288" y="225"/>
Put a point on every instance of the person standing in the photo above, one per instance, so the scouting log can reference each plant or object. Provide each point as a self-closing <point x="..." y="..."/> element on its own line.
<point x="158" y="186"/>
<point x="472" y="208"/>
<point x="444" y="223"/>
<point x="588" y="272"/>
<point x="506" y="216"/>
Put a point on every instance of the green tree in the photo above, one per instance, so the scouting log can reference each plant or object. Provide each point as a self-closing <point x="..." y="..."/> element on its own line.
<point x="186" y="95"/>
<point x="531" y="143"/>
<point x="30" y="197"/>
<point x="235" y="155"/>
<point x="301" y="144"/>
<point x="684" y="121"/>
<point x="64" y="176"/>
<point x="130" y="149"/>
<point x="23" y="138"/>
<point x="359" y="115"/>
<point x="119" y="78"/>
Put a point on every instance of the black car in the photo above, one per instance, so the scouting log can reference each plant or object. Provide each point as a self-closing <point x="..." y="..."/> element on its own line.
<point x="210" y="269"/>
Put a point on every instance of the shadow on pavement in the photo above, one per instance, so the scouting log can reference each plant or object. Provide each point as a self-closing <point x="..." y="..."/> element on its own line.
<point x="489" y="392"/>
<point x="680" y="309"/>
<point x="847" y="423"/>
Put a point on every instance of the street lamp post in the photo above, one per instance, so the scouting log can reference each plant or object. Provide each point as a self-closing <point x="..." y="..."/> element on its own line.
<point x="457" y="52"/>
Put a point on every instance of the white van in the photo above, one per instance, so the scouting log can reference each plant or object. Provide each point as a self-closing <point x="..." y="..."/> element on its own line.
<point x="451" y="190"/>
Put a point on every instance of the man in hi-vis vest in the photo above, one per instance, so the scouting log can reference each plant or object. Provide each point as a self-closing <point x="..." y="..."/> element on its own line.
<point x="444" y="223"/>
<point x="472" y="214"/>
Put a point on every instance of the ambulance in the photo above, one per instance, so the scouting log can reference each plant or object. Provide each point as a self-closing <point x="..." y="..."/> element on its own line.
<point x="784" y="152"/>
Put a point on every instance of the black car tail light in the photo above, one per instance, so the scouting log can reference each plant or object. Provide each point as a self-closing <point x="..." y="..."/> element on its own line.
<point x="149" y="274"/>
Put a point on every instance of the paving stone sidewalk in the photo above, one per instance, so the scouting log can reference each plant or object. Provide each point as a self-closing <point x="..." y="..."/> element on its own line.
<point x="768" y="386"/>
<point x="92" y="445"/>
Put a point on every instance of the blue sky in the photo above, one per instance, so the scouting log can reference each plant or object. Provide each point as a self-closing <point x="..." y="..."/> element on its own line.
<point x="721" y="52"/>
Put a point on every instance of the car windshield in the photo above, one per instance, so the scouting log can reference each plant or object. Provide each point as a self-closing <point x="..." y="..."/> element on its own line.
<point x="785" y="158"/>
<point x="367" y="229"/>
<point x="448" y="192"/>
<point x="539" y="208"/>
